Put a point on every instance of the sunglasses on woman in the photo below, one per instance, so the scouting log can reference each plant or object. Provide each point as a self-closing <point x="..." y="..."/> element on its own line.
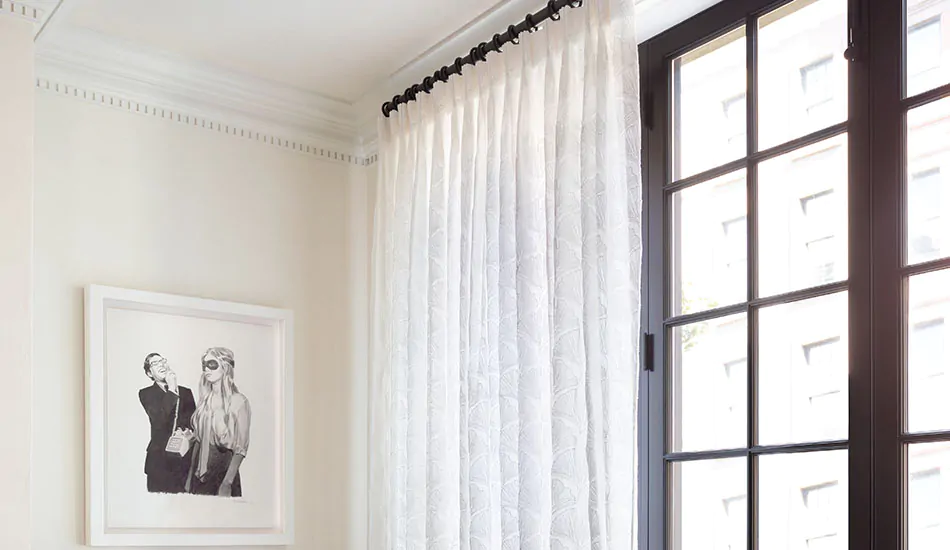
<point x="209" y="365"/>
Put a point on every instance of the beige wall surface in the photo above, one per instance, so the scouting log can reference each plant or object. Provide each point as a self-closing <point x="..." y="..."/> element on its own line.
<point x="16" y="249"/>
<point x="133" y="201"/>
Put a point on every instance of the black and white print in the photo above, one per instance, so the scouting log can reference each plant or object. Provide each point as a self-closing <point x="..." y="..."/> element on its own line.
<point x="195" y="447"/>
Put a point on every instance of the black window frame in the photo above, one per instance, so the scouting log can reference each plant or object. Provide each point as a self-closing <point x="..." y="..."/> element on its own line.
<point x="876" y="252"/>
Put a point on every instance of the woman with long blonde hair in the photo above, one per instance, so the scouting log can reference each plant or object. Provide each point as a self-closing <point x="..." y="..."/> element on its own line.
<point x="222" y="423"/>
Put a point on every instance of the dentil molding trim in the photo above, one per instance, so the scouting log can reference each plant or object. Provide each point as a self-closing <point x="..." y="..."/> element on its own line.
<point x="19" y="9"/>
<point x="88" y="65"/>
<point x="316" y="150"/>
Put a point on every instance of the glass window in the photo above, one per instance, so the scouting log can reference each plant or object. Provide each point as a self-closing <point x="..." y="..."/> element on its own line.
<point x="707" y="252"/>
<point x="770" y="243"/>
<point x="927" y="358"/>
<point x="925" y="215"/>
<point x="698" y="518"/>
<point x="820" y="503"/>
<point x="819" y="211"/>
<point x="925" y="486"/>
<point x="734" y="254"/>
<point x="928" y="349"/>
<point x="803" y="378"/>
<point x="734" y="110"/>
<point x="737" y="508"/>
<point x="927" y="511"/>
<point x="803" y="500"/>
<point x="924" y="46"/>
<point x="803" y="217"/>
<point x="803" y="76"/>
<point x="709" y="84"/>
<point x="709" y="402"/>
<point x="817" y="87"/>
<point x="736" y="376"/>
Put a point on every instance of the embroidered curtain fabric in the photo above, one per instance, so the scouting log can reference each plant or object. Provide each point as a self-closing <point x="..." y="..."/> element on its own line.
<point x="506" y="300"/>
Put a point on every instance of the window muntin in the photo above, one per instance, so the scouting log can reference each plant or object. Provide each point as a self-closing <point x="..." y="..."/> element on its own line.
<point x="793" y="239"/>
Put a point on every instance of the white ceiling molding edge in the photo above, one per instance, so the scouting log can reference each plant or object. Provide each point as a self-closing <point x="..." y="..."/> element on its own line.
<point x="87" y="59"/>
<point x="198" y="121"/>
<point x="96" y="65"/>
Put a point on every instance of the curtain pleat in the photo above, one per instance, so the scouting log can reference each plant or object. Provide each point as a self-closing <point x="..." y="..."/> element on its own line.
<point x="506" y="299"/>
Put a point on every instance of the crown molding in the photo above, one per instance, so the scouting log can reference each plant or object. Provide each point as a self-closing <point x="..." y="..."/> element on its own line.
<point x="21" y="9"/>
<point x="88" y="59"/>
<point x="37" y="12"/>
<point x="198" y="121"/>
<point x="98" y="65"/>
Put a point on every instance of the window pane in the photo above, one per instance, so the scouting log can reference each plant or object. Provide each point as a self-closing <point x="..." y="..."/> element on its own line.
<point x="926" y="68"/>
<point x="708" y="247"/>
<point x="803" y="372"/>
<point x="803" y="501"/>
<point x="803" y="218"/>
<point x="803" y="75"/>
<point x="709" y="106"/>
<point x="708" y="507"/>
<point x="927" y="358"/>
<point x="709" y="385"/>
<point x="928" y="162"/>
<point x="927" y="514"/>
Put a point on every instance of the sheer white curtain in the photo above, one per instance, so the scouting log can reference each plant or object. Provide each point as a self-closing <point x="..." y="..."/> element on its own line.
<point x="506" y="299"/>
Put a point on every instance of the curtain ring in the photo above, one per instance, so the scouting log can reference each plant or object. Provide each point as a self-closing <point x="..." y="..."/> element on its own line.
<point x="513" y="35"/>
<point x="483" y="50"/>
<point x="407" y="95"/>
<point x="386" y="109"/>
<point x="497" y="42"/>
<point x="458" y="64"/>
<point x="552" y="7"/>
<point x="444" y="74"/>
<point x="529" y="21"/>
<point x="475" y="55"/>
<point x="397" y="99"/>
<point x="577" y="3"/>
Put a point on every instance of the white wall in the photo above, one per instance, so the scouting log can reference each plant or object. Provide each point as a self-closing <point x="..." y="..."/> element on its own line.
<point x="16" y="197"/>
<point x="134" y="201"/>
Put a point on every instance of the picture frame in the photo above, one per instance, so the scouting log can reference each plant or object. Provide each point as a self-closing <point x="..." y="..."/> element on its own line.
<point x="233" y="483"/>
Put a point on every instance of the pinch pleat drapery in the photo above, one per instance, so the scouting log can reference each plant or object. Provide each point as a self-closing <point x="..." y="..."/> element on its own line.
<point x="506" y="303"/>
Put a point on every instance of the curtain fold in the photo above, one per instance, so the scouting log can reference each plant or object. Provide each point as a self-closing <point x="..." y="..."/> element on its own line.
<point x="506" y="303"/>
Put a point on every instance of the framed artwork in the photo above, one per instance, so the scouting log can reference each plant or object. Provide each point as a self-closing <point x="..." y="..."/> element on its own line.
<point x="189" y="421"/>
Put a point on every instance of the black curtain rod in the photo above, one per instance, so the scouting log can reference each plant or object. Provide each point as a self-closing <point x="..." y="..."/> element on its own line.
<point x="479" y="53"/>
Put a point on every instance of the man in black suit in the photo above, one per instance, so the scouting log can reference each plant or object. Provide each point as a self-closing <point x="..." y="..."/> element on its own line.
<point x="169" y="407"/>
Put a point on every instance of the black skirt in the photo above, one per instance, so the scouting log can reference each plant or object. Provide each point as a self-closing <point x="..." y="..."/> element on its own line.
<point x="219" y="458"/>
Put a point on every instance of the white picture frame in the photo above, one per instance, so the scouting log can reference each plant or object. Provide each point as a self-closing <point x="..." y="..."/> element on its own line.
<point x="103" y="303"/>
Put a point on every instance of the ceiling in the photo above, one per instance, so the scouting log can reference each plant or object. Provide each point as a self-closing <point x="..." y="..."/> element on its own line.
<point x="338" y="49"/>
<point x="317" y="67"/>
